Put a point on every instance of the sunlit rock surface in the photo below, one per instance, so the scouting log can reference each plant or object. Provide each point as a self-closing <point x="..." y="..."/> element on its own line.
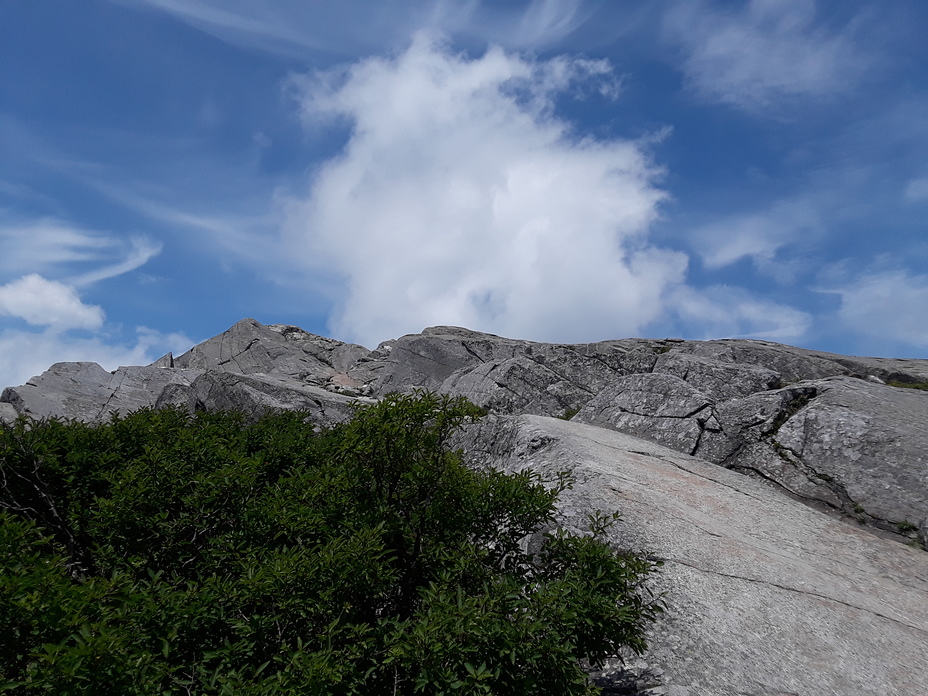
<point x="786" y="489"/>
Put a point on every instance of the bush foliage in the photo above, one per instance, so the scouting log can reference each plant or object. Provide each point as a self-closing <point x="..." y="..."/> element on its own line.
<point x="163" y="553"/>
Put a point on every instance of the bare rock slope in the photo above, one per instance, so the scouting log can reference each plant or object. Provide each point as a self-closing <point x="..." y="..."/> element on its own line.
<point x="835" y="431"/>
<point x="708" y="448"/>
<point x="765" y="596"/>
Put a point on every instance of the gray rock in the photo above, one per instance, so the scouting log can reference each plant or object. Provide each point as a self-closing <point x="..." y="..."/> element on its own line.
<point x="765" y="595"/>
<point x="501" y="374"/>
<point x="251" y="348"/>
<point x="871" y="441"/>
<point x="85" y="391"/>
<point x="799" y="364"/>
<point x="718" y="400"/>
<point x="660" y="407"/>
<point x="8" y="413"/>
<point x="257" y="395"/>
<point x="517" y="385"/>
<point x="719" y="380"/>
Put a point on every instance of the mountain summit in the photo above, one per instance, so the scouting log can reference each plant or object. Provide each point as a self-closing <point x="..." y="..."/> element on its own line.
<point x="785" y="489"/>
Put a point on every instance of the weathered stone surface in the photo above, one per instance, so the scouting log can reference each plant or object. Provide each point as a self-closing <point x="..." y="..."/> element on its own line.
<point x="85" y="391"/>
<point x="516" y="385"/>
<point x="8" y="413"/>
<point x="250" y="348"/>
<point x="798" y="364"/>
<point x="765" y="595"/>
<point x="718" y="400"/>
<point x="472" y="363"/>
<point x="746" y="441"/>
<point x="257" y="395"/>
<point x="869" y="439"/>
<point x="660" y="407"/>
<point x="719" y="380"/>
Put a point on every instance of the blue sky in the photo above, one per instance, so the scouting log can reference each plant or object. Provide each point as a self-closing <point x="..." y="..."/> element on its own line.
<point x="566" y="171"/>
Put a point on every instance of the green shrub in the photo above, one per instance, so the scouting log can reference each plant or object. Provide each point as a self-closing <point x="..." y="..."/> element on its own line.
<point x="164" y="553"/>
<point x="908" y="385"/>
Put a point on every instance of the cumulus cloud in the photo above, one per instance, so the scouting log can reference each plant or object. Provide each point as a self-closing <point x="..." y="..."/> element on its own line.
<point x="37" y="249"/>
<point x="461" y="198"/>
<point x="49" y="303"/>
<point x="762" y="52"/>
<point x="887" y="304"/>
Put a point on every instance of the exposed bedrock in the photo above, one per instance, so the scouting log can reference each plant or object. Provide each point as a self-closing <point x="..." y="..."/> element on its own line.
<point x="765" y="596"/>
<point x="819" y="426"/>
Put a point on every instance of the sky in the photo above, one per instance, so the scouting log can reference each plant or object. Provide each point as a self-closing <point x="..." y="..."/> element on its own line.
<point x="568" y="171"/>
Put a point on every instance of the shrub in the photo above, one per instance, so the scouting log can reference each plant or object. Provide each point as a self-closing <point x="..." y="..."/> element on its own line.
<point x="166" y="553"/>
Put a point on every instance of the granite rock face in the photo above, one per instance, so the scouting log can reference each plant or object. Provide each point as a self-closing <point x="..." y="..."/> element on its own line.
<point x="824" y="428"/>
<point x="721" y="455"/>
<point x="764" y="595"/>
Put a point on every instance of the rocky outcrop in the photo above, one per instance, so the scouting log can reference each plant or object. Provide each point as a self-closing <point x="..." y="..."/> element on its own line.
<point x="824" y="428"/>
<point x="764" y="595"/>
<point x="85" y="391"/>
<point x="250" y="348"/>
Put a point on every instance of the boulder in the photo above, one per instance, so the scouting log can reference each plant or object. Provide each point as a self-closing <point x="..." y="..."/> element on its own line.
<point x="764" y="595"/>
<point x="8" y="413"/>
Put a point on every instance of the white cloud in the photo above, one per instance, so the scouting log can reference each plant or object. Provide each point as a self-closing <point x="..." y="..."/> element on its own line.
<point x="79" y="257"/>
<point x="756" y="55"/>
<point x="461" y="199"/>
<point x="760" y="236"/>
<point x="917" y="190"/>
<point x="733" y="312"/>
<point x="25" y="354"/>
<point x="888" y="304"/>
<point x="300" y="29"/>
<point x="54" y="247"/>
<point x="545" y="21"/>
<point x="49" y="303"/>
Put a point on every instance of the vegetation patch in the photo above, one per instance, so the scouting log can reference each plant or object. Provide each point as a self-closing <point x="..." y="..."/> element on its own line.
<point x="164" y="553"/>
<point x="908" y="385"/>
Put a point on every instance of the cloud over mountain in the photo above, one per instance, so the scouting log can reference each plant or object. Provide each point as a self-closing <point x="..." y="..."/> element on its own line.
<point x="461" y="198"/>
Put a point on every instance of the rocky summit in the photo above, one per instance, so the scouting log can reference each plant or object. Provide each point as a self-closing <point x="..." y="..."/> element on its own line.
<point x="786" y="490"/>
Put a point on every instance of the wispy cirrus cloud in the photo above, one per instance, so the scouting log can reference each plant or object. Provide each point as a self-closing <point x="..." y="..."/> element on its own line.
<point x="361" y="27"/>
<point x="917" y="190"/>
<point x="45" y="264"/>
<point x="759" y="54"/>
<point x="765" y="237"/>
<point x="56" y="248"/>
<point x="722" y="310"/>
